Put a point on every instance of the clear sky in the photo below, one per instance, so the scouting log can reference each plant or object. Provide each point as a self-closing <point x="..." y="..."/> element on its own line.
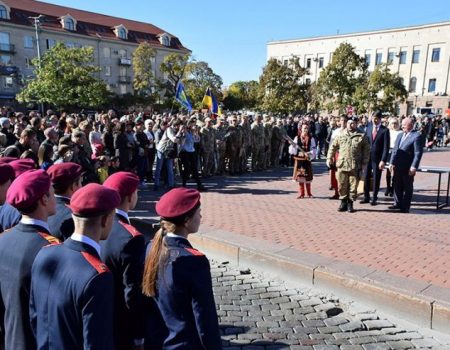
<point x="231" y="35"/>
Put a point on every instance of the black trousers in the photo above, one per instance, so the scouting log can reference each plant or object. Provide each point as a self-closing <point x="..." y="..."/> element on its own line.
<point x="189" y="168"/>
<point x="375" y="172"/>
<point x="403" y="188"/>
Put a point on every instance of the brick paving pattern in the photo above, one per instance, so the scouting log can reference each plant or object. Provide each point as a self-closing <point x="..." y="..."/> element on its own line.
<point x="257" y="312"/>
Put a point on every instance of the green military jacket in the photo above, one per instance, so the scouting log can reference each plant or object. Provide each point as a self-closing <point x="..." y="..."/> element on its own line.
<point x="353" y="148"/>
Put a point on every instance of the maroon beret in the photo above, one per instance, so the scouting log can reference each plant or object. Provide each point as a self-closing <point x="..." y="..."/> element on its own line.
<point x="123" y="182"/>
<point x="6" y="173"/>
<point x="4" y="160"/>
<point x="94" y="200"/>
<point x="22" y="165"/>
<point x="28" y="188"/>
<point x="64" y="173"/>
<point x="177" y="202"/>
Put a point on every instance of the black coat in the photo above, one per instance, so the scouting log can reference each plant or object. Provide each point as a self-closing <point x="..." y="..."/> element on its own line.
<point x="379" y="148"/>
<point x="61" y="223"/>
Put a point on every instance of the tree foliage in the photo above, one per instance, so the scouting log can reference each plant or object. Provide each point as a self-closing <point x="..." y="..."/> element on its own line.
<point x="241" y="94"/>
<point x="66" y="78"/>
<point x="144" y="78"/>
<point x="199" y="76"/>
<point x="173" y="67"/>
<point x="280" y="90"/>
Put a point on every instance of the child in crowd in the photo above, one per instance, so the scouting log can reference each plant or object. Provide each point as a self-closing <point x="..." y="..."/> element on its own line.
<point x="103" y="168"/>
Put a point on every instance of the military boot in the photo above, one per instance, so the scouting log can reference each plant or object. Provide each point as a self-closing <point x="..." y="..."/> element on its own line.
<point x="350" y="207"/>
<point x="343" y="206"/>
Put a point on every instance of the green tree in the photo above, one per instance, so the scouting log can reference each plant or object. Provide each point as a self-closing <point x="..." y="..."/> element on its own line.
<point x="66" y="78"/>
<point x="241" y="94"/>
<point x="199" y="77"/>
<point x="144" y="78"/>
<point x="173" y="67"/>
<point x="280" y="90"/>
<point x="382" y="90"/>
<point x="339" y="80"/>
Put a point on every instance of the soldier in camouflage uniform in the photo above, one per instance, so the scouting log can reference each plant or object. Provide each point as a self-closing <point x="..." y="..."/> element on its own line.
<point x="278" y="136"/>
<point x="267" y="141"/>
<point x="354" y="152"/>
<point x="208" y="141"/>
<point x="258" y="144"/>
<point x="233" y="145"/>
<point x="221" y="131"/>
<point x="246" y="142"/>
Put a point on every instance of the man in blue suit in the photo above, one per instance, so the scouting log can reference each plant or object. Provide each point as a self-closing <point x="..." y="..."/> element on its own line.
<point x="405" y="161"/>
<point x="378" y="136"/>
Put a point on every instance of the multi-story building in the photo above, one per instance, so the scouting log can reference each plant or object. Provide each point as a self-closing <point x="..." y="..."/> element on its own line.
<point x="419" y="54"/>
<point x="29" y="26"/>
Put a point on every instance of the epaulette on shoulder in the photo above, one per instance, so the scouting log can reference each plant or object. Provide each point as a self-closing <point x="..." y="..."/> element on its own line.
<point x="194" y="252"/>
<point x="95" y="262"/>
<point x="49" y="238"/>
<point x="131" y="229"/>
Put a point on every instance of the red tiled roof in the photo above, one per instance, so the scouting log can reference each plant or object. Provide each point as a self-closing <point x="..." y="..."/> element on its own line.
<point x="88" y="23"/>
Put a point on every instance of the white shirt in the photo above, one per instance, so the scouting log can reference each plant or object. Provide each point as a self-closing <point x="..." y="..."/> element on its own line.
<point x="173" y="235"/>
<point x="30" y="221"/>
<point x="64" y="197"/>
<point x="85" y="239"/>
<point x="123" y="213"/>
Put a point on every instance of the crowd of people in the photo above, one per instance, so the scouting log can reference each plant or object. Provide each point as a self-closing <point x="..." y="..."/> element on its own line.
<point x="68" y="182"/>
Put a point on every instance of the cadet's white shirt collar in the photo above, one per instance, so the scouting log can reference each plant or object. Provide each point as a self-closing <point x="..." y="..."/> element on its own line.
<point x="123" y="213"/>
<point x="85" y="239"/>
<point x="30" y="221"/>
<point x="173" y="235"/>
<point x="59" y="196"/>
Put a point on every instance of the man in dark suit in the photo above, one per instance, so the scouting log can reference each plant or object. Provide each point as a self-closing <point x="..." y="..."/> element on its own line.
<point x="378" y="136"/>
<point x="66" y="179"/>
<point x="32" y="194"/>
<point x="405" y="161"/>
<point x="71" y="297"/>
<point x="124" y="253"/>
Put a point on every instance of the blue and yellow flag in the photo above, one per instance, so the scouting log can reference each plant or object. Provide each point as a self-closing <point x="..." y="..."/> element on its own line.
<point x="182" y="97"/>
<point x="210" y="101"/>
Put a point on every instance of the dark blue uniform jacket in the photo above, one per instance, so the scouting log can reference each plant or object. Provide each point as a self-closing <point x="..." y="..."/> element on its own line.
<point x="185" y="298"/>
<point x="71" y="302"/>
<point x="61" y="224"/>
<point x="124" y="253"/>
<point x="18" y="249"/>
<point x="9" y="217"/>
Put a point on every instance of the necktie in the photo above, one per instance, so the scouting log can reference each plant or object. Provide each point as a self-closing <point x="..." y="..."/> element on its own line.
<point x="403" y="138"/>
<point x="374" y="133"/>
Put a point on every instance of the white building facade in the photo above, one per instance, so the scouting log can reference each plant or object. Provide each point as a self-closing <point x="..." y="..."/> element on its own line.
<point x="419" y="54"/>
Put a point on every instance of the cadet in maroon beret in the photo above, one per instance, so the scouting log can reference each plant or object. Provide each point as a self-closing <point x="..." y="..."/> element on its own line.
<point x="6" y="177"/>
<point x="32" y="194"/>
<point x="124" y="253"/>
<point x="22" y="165"/>
<point x="80" y="316"/>
<point x="9" y="216"/>
<point x="66" y="179"/>
<point x="7" y="159"/>
<point x="181" y="282"/>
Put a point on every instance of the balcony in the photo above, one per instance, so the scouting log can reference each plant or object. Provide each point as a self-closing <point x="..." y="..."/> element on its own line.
<point x="124" y="61"/>
<point x="7" y="48"/>
<point x="125" y="79"/>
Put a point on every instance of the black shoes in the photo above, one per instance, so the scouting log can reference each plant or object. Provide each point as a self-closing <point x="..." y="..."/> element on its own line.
<point x="394" y="207"/>
<point x="343" y="206"/>
<point x="365" y="201"/>
<point x="373" y="202"/>
<point x="350" y="207"/>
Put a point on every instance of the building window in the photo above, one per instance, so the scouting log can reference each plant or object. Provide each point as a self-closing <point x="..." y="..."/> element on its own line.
<point x="402" y="57"/>
<point x="285" y="63"/>
<point x="70" y="44"/>
<point x="367" y="58"/>
<point x="28" y="42"/>
<point x="308" y="81"/>
<point x="50" y="43"/>
<point x="416" y="55"/>
<point x="412" y="84"/>
<point x="435" y="55"/>
<point x="69" y="24"/>
<point x="5" y="60"/>
<point x="8" y="83"/>
<point x="122" y="33"/>
<point x="108" y="71"/>
<point x="3" y="12"/>
<point x="321" y="62"/>
<point x="107" y="52"/>
<point x="165" y="40"/>
<point x="123" y="53"/>
<point x="123" y="89"/>
<point x="402" y="81"/>
<point x="29" y="62"/>
<point x="308" y="63"/>
<point x="378" y="58"/>
<point x="432" y="85"/>
<point x="390" y="59"/>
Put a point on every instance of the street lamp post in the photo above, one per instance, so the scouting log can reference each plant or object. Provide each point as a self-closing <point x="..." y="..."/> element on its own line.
<point x="37" y="22"/>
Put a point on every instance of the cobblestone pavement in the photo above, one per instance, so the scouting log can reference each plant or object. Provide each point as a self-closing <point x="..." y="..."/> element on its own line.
<point x="258" y="312"/>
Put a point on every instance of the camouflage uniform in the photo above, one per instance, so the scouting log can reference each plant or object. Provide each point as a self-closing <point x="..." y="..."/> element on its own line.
<point x="267" y="142"/>
<point x="233" y="148"/>
<point x="221" y="131"/>
<point x="246" y="145"/>
<point x="208" y="140"/>
<point x="278" y="133"/>
<point x="354" y="151"/>
<point x="258" y="146"/>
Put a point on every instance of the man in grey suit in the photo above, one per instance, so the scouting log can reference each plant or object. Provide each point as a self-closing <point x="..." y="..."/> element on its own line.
<point x="405" y="161"/>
